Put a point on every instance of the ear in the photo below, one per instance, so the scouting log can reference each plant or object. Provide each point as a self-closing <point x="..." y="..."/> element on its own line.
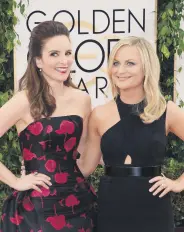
<point x="38" y="61"/>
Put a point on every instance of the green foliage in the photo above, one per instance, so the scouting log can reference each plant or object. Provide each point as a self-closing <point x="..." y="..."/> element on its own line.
<point x="9" y="147"/>
<point x="171" y="42"/>
<point x="172" y="169"/>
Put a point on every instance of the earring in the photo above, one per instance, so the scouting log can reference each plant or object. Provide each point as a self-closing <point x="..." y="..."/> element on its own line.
<point x="40" y="69"/>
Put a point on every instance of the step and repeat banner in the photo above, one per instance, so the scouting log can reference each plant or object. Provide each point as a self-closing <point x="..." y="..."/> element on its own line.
<point x="95" y="26"/>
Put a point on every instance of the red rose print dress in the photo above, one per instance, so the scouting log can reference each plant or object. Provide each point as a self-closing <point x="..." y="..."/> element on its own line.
<point x="49" y="146"/>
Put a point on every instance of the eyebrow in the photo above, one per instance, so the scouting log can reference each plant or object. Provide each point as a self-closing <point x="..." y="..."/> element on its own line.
<point x="59" y="51"/>
<point x="125" y="60"/>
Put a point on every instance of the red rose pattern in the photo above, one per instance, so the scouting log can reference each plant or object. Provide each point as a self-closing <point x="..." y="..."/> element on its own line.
<point x="27" y="204"/>
<point x="69" y="144"/>
<point x="58" y="222"/>
<point x="66" y="127"/>
<point x="35" y="128"/>
<point x="17" y="219"/>
<point x="50" y="165"/>
<point x="49" y="129"/>
<point x="28" y="155"/>
<point x="37" y="141"/>
<point x="71" y="201"/>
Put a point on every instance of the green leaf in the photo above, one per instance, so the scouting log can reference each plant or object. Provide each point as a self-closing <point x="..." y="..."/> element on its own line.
<point x="164" y="31"/>
<point x="164" y="15"/>
<point x="165" y="51"/>
<point x="180" y="69"/>
<point x="22" y="9"/>
<point x="10" y="135"/>
<point x="171" y="13"/>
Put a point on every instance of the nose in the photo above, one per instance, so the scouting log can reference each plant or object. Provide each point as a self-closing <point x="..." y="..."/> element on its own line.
<point x="63" y="60"/>
<point x="121" y="69"/>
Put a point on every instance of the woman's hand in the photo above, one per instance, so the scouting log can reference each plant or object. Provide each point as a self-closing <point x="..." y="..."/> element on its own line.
<point x="32" y="181"/>
<point x="165" y="185"/>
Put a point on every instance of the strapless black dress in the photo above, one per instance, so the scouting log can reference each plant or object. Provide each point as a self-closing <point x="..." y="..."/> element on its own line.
<point x="49" y="146"/>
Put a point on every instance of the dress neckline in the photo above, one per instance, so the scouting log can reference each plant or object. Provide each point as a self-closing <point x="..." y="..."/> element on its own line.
<point x="50" y="118"/>
<point x="126" y="109"/>
<point x="128" y="104"/>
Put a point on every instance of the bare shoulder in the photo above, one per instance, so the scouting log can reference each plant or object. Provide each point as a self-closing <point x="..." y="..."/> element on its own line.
<point x="18" y="101"/>
<point x="172" y="109"/>
<point x="81" y="97"/>
<point x="13" y="111"/>
<point x="175" y="116"/>
<point x="21" y="97"/>
<point x="103" y="111"/>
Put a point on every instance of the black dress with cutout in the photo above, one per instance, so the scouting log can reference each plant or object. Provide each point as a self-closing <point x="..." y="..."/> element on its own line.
<point x="125" y="203"/>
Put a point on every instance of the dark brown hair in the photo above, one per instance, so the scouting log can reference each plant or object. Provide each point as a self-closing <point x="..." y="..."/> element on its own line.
<point x="42" y="103"/>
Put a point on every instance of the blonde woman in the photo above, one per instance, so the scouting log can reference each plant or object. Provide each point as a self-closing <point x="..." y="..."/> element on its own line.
<point x="131" y="133"/>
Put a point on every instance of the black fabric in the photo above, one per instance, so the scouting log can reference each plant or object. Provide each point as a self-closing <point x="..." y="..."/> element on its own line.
<point x="125" y="203"/>
<point x="49" y="146"/>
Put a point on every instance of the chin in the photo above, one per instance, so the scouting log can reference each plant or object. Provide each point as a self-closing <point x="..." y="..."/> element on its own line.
<point x="62" y="77"/>
<point x="124" y="86"/>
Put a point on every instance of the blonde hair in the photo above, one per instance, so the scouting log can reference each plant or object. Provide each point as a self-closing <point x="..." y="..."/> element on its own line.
<point x="155" y="101"/>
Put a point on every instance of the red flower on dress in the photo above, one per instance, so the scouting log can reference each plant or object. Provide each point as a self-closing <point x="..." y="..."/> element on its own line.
<point x="35" y="128"/>
<point x="61" y="177"/>
<point x="17" y="219"/>
<point x="50" y="165"/>
<point x="43" y="144"/>
<point x="28" y="155"/>
<point x="45" y="192"/>
<point x="35" y="193"/>
<point x="58" y="221"/>
<point x="54" y="193"/>
<point x="66" y="127"/>
<point x="49" y="129"/>
<point x="69" y="144"/>
<point x="27" y="204"/>
<point x="71" y="201"/>
<point x="58" y="149"/>
<point x="42" y="157"/>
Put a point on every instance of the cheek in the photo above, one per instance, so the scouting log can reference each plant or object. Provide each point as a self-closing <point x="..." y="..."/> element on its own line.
<point x="70" y="61"/>
<point x="114" y="71"/>
<point x="48" y="62"/>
